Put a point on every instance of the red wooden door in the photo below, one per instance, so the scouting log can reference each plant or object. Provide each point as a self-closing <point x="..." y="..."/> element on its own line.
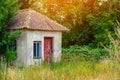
<point x="48" y="48"/>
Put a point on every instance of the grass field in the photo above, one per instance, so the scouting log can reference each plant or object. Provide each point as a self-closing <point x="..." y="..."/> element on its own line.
<point x="63" y="71"/>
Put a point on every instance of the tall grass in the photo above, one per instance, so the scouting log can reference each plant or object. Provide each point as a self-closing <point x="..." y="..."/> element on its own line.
<point x="114" y="48"/>
<point x="71" y="71"/>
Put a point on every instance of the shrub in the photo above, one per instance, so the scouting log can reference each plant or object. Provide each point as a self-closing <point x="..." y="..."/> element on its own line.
<point x="10" y="55"/>
<point x="8" y="12"/>
<point x="84" y="53"/>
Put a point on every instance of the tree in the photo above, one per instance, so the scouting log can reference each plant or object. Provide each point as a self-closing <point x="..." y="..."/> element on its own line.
<point x="103" y="21"/>
<point x="8" y="10"/>
<point x="26" y="3"/>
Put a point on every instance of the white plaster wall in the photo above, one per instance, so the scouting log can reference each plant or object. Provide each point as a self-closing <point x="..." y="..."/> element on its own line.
<point x="22" y="49"/>
<point x="25" y="46"/>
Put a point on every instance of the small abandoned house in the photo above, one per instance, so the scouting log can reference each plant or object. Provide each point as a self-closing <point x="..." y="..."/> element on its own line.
<point x="40" y="39"/>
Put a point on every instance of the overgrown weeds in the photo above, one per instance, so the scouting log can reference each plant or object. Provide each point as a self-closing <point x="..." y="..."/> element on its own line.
<point x="70" y="71"/>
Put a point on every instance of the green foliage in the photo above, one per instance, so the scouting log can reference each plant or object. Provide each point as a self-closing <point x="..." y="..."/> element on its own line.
<point x="84" y="53"/>
<point x="101" y="25"/>
<point x="11" y="55"/>
<point x="8" y="11"/>
<point x="114" y="47"/>
<point x="94" y="25"/>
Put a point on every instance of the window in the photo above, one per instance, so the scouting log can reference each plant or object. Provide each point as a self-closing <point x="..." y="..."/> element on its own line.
<point x="12" y="46"/>
<point x="37" y="50"/>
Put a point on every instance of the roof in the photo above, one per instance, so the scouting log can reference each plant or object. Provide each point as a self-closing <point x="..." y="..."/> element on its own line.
<point x="32" y="20"/>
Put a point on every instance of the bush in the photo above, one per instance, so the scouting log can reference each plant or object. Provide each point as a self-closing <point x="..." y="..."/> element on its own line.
<point x="84" y="53"/>
<point x="8" y="12"/>
<point x="10" y="55"/>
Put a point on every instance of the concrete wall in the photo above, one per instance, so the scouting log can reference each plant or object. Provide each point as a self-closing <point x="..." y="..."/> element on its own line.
<point x="21" y="49"/>
<point x="25" y="46"/>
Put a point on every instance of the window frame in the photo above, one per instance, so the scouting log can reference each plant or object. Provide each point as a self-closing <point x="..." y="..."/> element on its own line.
<point x="37" y="53"/>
